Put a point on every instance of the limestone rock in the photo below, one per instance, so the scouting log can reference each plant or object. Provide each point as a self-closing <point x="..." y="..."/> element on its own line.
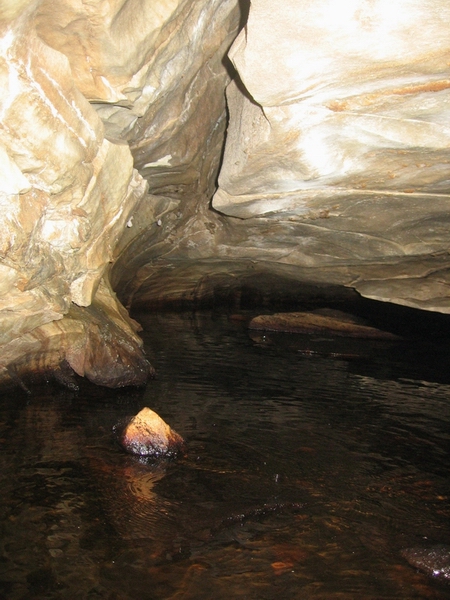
<point x="154" y="71"/>
<point x="80" y="86"/>
<point x="337" y="108"/>
<point x="109" y="352"/>
<point x="66" y="196"/>
<point x="99" y="342"/>
<point x="338" y="139"/>
<point x="148" y="435"/>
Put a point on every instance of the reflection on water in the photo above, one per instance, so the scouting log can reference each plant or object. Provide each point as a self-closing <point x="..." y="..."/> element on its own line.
<point x="312" y="464"/>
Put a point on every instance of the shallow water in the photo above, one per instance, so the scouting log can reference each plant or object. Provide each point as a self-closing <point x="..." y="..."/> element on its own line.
<point x="312" y="464"/>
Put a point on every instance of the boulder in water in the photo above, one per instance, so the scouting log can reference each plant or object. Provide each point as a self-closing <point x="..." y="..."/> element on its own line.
<point x="149" y="435"/>
<point x="434" y="561"/>
<point x="331" y="322"/>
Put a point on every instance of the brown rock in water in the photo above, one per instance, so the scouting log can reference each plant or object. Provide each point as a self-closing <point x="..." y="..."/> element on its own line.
<point x="148" y="435"/>
<point x="314" y="322"/>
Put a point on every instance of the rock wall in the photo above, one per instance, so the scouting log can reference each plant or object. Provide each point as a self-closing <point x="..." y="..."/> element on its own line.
<point x="335" y="169"/>
<point x="89" y="92"/>
<point x="339" y="141"/>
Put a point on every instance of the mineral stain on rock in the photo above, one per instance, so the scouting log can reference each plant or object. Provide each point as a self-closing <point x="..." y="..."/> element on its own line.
<point x="434" y="561"/>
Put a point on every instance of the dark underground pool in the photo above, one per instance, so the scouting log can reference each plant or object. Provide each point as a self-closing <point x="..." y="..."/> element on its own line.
<point x="312" y="463"/>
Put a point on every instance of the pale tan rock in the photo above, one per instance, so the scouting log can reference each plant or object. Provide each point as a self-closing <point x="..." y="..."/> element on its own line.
<point x="347" y="98"/>
<point x="335" y="162"/>
<point x="162" y="91"/>
<point x="107" y="66"/>
<point x="149" y="435"/>
<point x="51" y="132"/>
<point x="66" y="194"/>
<point x="10" y="9"/>
<point x="338" y="140"/>
<point x="12" y="180"/>
<point x="78" y="84"/>
<point x="326" y="49"/>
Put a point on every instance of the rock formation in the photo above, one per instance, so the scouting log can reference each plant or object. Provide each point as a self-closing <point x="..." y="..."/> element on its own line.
<point x="89" y="92"/>
<point x="148" y="435"/>
<point x="337" y="324"/>
<point x="113" y="120"/>
<point x="339" y="142"/>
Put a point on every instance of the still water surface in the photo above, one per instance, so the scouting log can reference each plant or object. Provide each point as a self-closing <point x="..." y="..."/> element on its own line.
<point x="311" y="463"/>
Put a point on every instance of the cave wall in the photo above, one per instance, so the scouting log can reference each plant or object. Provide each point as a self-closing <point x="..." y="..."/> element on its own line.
<point x="335" y="167"/>
<point x="90" y="92"/>
<point x="325" y="126"/>
<point x="339" y="138"/>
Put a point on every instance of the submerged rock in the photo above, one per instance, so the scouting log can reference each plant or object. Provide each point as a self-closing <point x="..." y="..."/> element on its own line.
<point x="434" y="561"/>
<point x="149" y="435"/>
<point x="317" y="322"/>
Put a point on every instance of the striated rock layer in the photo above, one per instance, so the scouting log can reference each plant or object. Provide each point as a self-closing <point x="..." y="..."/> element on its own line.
<point x="89" y="92"/>
<point x="66" y="195"/>
<point x="339" y="141"/>
<point x="332" y="323"/>
<point x="335" y="170"/>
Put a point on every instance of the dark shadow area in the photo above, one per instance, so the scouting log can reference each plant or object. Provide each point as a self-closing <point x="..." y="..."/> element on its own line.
<point x="244" y="6"/>
<point x="263" y="291"/>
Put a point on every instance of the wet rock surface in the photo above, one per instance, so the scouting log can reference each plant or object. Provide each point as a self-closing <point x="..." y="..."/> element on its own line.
<point x="149" y="435"/>
<point x="434" y="561"/>
<point x="99" y="342"/>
